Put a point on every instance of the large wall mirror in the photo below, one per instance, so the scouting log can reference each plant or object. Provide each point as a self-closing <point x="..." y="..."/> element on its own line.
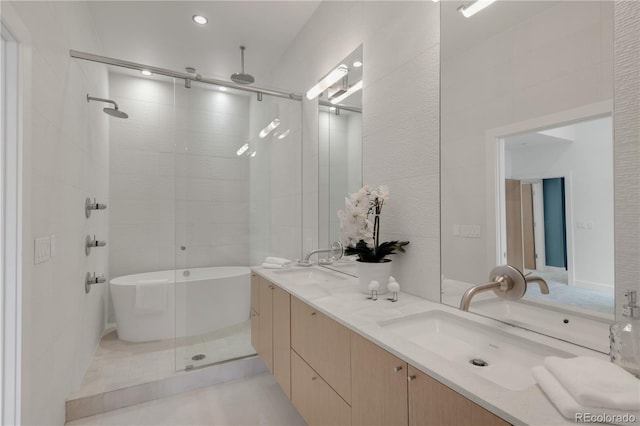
<point x="340" y="150"/>
<point x="527" y="157"/>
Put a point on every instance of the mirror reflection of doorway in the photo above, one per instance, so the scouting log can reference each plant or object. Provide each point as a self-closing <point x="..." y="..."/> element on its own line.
<point x="536" y="226"/>
<point x="557" y="203"/>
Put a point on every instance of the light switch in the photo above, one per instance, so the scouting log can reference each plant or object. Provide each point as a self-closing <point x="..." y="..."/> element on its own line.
<point x="42" y="250"/>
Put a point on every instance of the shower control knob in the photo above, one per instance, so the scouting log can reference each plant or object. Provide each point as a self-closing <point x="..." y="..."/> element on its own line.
<point x="91" y="243"/>
<point x="92" y="205"/>
<point x="91" y="280"/>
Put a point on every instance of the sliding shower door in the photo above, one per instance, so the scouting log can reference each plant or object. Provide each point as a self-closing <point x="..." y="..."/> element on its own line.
<point x="223" y="221"/>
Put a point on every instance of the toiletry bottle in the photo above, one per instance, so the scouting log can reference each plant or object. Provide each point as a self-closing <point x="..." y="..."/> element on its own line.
<point x="625" y="336"/>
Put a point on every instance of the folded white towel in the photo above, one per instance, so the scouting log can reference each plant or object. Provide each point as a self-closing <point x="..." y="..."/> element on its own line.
<point x="273" y="266"/>
<point x="151" y="296"/>
<point x="570" y="409"/>
<point x="594" y="382"/>
<point x="277" y="260"/>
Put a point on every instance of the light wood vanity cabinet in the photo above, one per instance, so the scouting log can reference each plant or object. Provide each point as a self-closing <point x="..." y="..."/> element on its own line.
<point x="270" y="329"/>
<point x="379" y="385"/>
<point x="334" y="376"/>
<point x="432" y="403"/>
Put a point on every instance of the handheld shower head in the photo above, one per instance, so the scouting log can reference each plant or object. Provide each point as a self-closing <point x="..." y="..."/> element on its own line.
<point x="241" y="77"/>
<point x="114" y="112"/>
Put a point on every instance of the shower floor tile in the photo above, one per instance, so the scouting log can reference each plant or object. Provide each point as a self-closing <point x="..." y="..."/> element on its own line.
<point x="118" y="364"/>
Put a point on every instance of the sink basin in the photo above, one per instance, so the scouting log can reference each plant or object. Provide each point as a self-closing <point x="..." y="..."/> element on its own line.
<point x="584" y="330"/>
<point x="310" y="276"/>
<point x="499" y="357"/>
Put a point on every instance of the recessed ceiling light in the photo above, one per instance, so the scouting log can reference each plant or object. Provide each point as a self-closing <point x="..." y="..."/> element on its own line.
<point x="146" y="73"/>
<point x="199" y="19"/>
<point x="223" y="89"/>
<point x="332" y="108"/>
<point x="357" y="64"/>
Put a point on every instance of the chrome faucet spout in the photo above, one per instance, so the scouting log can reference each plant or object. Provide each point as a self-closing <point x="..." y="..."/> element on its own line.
<point x="468" y="295"/>
<point x="336" y="251"/>
<point x="544" y="287"/>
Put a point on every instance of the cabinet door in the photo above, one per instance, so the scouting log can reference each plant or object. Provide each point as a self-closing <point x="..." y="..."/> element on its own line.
<point x="255" y="331"/>
<point x="266" y="323"/>
<point x="255" y="292"/>
<point x="282" y="339"/>
<point x="379" y="385"/>
<point x="314" y="399"/>
<point x="306" y="331"/>
<point x="432" y="403"/>
<point x="335" y="362"/>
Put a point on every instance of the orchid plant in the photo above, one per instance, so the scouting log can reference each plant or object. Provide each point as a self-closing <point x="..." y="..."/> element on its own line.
<point x="359" y="235"/>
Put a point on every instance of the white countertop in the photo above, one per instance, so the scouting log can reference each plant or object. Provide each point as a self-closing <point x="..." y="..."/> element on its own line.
<point x="342" y="301"/>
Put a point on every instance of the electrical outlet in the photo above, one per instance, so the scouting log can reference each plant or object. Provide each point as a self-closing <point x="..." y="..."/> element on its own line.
<point x="42" y="249"/>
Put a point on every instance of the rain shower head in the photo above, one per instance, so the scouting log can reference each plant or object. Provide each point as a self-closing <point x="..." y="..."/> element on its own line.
<point x="241" y="77"/>
<point x="114" y="112"/>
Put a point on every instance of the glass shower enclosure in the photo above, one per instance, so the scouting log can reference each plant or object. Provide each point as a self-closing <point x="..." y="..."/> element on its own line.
<point x="191" y="196"/>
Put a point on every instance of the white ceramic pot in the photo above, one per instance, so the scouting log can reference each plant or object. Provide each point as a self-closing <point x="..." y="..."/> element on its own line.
<point x="380" y="272"/>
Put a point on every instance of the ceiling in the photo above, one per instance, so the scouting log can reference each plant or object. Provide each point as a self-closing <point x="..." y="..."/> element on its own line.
<point x="163" y="34"/>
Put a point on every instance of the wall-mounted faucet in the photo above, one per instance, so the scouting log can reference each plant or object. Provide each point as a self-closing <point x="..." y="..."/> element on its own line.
<point x="506" y="282"/>
<point x="335" y="252"/>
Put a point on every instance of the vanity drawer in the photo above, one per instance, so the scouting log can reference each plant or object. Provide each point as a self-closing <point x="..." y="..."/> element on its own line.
<point x="324" y="344"/>
<point x="314" y="399"/>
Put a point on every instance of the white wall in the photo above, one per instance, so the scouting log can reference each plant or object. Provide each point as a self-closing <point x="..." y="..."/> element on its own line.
<point x="587" y="165"/>
<point x="400" y="119"/>
<point x="175" y="177"/>
<point x="66" y="159"/>
<point x="627" y="149"/>
<point x="556" y="60"/>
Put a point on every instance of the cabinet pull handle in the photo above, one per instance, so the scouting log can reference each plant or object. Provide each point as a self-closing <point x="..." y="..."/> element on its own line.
<point x="398" y="368"/>
<point x="411" y="378"/>
<point x="313" y="313"/>
<point x="313" y="378"/>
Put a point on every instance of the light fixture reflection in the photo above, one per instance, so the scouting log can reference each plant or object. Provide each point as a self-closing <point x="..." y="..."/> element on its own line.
<point x="328" y="81"/>
<point x="357" y="64"/>
<point x="199" y="19"/>
<point x="468" y="10"/>
<point x="283" y="134"/>
<point x="146" y="73"/>
<point x="253" y="154"/>
<point x="270" y="128"/>
<point x="242" y="149"/>
<point x="353" y="89"/>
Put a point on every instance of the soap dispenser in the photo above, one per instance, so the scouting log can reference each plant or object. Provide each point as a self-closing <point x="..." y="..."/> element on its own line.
<point x="625" y="336"/>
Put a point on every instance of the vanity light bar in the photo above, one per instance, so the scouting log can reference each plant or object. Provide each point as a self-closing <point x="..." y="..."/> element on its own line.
<point x="470" y="9"/>
<point x="328" y="81"/>
<point x="242" y="149"/>
<point x="353" y="89"/>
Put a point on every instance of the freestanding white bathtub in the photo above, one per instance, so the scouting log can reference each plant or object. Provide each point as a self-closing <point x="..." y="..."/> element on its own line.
<point x="184" y="303"/>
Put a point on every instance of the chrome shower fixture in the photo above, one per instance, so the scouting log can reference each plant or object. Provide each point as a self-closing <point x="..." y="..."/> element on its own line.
<point x="114" y="112"/>
<point x="241" y="77"/>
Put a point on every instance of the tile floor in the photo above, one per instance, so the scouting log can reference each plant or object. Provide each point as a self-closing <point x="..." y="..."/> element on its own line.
<point x="118" y="364"/>
<point x="255" y="400"/>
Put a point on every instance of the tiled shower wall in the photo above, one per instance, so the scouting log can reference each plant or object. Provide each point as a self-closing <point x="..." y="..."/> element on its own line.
<point x="65" y="159"/>
<point x="627" y="149"/>
<point x="175" y="177"/>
